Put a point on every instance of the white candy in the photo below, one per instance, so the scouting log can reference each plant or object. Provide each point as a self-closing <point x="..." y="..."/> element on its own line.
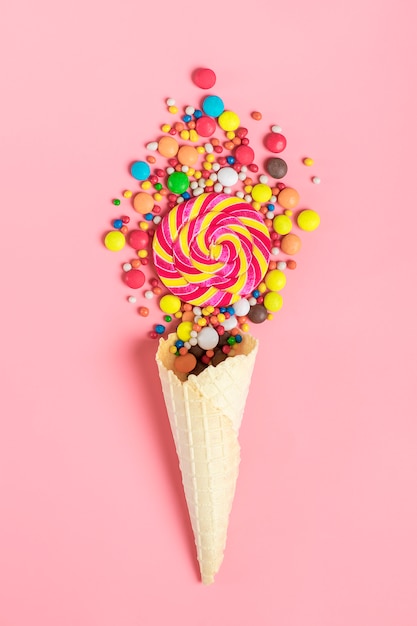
<point x="252" y="301"/>
<point x="229" y="323"/>
<point x="185" y="169"/>
<point x="157" y="219"/>
<point x="202" y="183"/>
<point x="208" y="337"/>
<point x="263" y="179"/>
<point x="126" y="267"/>
<point x="171" y="102"/>
<point x="269" y="215"/>
<point x="227" y="176"/>
<point x="218" y="188"/>
<point x="187" y="345"/>
<point x="213" y="176"/>
<point x="152" y="145"/>
<point x="180" y="199"/>
<point x="316" y="180"/>
<point x="241" y="176"/>
<point x="248" y="198"/>
<point x="189" y="110"/>
<point x="216" y="167"/>
<point x="272" y="199"/>
<point x="193" y="334"/>
<point x="193" y="341"/>
<point x="244" y="169"/>
<point x="198" y="191"/>
<point x="281" y="265"/>
<point x="170" y="170"/>
<point x="208" y="147"/>
<point x="276" y="128"/>
<point x="241" y="307"/>
<point x="274" y="250"/>
<point x="131" y="299"/>
<point x="197" y="310"/>
<point x="194" y="184"/>
<point x="227" y="190"/>
<point x="149" y="295"/>
<point x="240" y="194"/>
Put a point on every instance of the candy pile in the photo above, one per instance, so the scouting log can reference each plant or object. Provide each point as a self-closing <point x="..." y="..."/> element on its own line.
<point x="219" y="233"/>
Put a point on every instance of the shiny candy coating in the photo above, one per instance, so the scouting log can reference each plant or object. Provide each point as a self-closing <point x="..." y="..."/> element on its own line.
<point x="275" y="142"/>
<point x="212" y="249"/>
<point x="275" y="280"/>
<point x="204" y="78"/>
<point x="257" y="314"/>
<point x="140" y="170"/>
<point x="170" y="304"/>
<point x="288" y="198"/>
<point x="276" y="167"/>
<point x="178" y="182"/>
<point x="290" y="244"/>
<point x="229" y="121"/>
<point x="143" y="202"/>
<point x="205" y="126"/>
<point x="134" y="279"/>
<point x="114" y="240"/>
<point x="308" y="220"/>
<point x="273" y="301"/>
<point x="213" y="106"/>
<point x="168" y="147"/>
<point x="282" y="224"/>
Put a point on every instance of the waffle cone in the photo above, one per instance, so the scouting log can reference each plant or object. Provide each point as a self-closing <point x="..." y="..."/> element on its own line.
<point x="205" y="413"/>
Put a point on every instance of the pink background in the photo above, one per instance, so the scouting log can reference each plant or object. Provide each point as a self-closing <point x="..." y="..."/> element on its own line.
<point x="94" y="529"/>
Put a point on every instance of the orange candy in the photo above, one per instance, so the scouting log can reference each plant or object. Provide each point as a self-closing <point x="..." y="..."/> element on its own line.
<point x="272" y="265"/>
<point x="187" y="155"/>
<point x="143" y="202"/>
<point x="236" y="141"/>
<point x="151" y="159"/>
<point x="179" y="126"/>
<point x="288" y="198"/>
<point x="185" y="363"/>
<point x="187" y="316"/>
<point x="290" y="244"/>
<point x="168" y="147"/>
<point x="229" y="145"/>
<point x="291" y="264"/>
<point x="144" y="311"/>
<point x="256" y="116"/>
<point x="135" y="263"/>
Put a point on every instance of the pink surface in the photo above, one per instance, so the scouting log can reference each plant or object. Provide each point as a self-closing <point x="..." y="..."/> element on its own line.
<point x="93" y="528"/>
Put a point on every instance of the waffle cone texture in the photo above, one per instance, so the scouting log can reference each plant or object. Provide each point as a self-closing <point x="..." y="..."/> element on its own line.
<point x="205" y="414"/>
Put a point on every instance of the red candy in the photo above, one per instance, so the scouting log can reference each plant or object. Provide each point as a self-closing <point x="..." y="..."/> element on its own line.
<point x="204" y="78"/>
<point x="244" y="154"/>
<point x="205" y="126"/>
<point x="275" y="142"/>
<point x="134" y="278"/>
<point x="138" y="239"/>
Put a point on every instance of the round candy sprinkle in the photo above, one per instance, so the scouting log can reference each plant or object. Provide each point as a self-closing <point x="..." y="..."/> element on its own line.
<point x="275" y="280"/>
<point x="204" y="78"/>
<point x="256" y="115"/>
<point x="275" y="142"/>
<point x="290" y="244"/>
<point x="307" y="161"/>
<point x="276" y="129"/>
<point x="160" y="329"/>
<point x="170" y="304"/>
<point x="316" y="180"/>
<point x="143" y="311"/>
<point x="213" y="106"/>
<point x="228" y="121"/>
<point x="277" y="168"/>
<point x="282" y="224"/>
<point x="131" y="299"/>
<point x="114" y="240"/>
<point x="140" y="170"/>
<point x="178" y="182"/>
<point x="134" y="278"/>
<point x="308" y="220"/>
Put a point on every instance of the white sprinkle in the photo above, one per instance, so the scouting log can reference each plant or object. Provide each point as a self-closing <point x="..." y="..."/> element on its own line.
<point x="240" y="194"/>
<point x="213" y="176"/>
<point x="193" y="341"/>
<point x="193" y="333"/>
<point x="281" y="265"/>
<point x="149" y="295"/>
<point x="227" y="190"/>
<point x="189" y="110"/>
<point x="276" y="128"/>
<point x="170" y="102"/>
<point x="197" y="310"/>
<point x="263" y="179"/>
<point x="202" y="183"/>
<point x="198" y="191"/>
<point x="244" y="168"/>
<point x="252" y="301"/>
<point x="248" y="197"/>
<point x="216" y="167"/>
<point x="152" y="145"/>
<point x="157" y="219"/>
<point x="274" y="250"/>
<point x="187" y="345"/>
<point x="180" y="199"/>
<point x="270" y="215"/>
<point x="316" y="180"/>
<point x="196" y="318"/>
<point x="185" y="168"/>
<point x="131" y="299"/>
<point x="126" y="267"/>
<point x="170" y="170"/>
<point x="218" y="188"/>
<point x="241" y="175"/>
<point x="194" y="184"/>
<point x="208" y="147"/>
<point x="272" y="199"/>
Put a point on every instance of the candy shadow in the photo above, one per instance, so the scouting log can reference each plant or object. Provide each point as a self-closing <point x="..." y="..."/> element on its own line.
<point x="143" y="357"/>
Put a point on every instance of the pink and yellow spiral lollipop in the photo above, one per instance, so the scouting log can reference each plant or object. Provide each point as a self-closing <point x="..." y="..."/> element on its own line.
<point x="212" y="250"/>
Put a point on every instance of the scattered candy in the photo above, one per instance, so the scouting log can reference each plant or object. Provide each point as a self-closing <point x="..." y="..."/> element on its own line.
<point x="204" y="78"/>
<point x="308" y="220"/>
<point x="140" y="170"/>
<point x="114" y="240"/>
<point x="277" y="168"/>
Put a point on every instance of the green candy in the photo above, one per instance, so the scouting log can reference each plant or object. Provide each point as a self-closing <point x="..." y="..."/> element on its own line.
<point x="178" y="182"/>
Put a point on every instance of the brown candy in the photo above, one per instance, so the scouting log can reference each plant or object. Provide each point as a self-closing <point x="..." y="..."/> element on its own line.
<point x="257" y="314"/>
<point x="277" y="168"/>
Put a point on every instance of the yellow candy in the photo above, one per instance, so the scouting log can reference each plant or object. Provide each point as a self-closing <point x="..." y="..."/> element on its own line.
<point x="193" y="135"/>
<point x="275" y="280"/>
<point x="157" y="196"/>
<point x="256" y="205"/>
<point x="221" y="317"/>
<point x="210" y="158"/>
<point x="207" y="166"/>
<point x="178" y="315"/>
<point x="142" y="254"/>
<point x="261" y="287"/>
<point x="288" y="212"/>
<point x="146" y="184"/>
<point x="185" y="134"/>
<point x="273" y="302"/>
<point x="269" y="317"/>
<point x="228" y="121"/>
<point x="170" y="304"/>
<point x="143" y="225"/>
<point x="114" y="240"/>
<point x="209" y="182"/>
<point x="127" y="193"/>
<point x="197" y="175"/>
<point x="230" y="134"/>
<point x="247" y="188"/>
<point x="210" y="308"/>
<point x="282" y="224"/>
<point x="261" y="193"/>
<point x="166" y="128"/>
<point x="184" y="331"/>
<point x="173" y="350"/>
<point x="308" y="161"/>
<point x="202" y="322"/>
<point x="200" y="149"/>
<point x="245" y="327"/>
<point x="173" y="109"/>
<point x="308" y="220"/>
<point x="191" y="171"/>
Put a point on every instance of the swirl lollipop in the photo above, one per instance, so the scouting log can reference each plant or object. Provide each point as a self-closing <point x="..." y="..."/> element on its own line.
<point x="212" y="249"/>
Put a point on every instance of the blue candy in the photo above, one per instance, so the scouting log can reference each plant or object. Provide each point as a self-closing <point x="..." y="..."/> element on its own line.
<point x="213" y="106"/>
<point x="117" y="223"/>
<point x="159" y="328"/>
<point x="140" y="170"/>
